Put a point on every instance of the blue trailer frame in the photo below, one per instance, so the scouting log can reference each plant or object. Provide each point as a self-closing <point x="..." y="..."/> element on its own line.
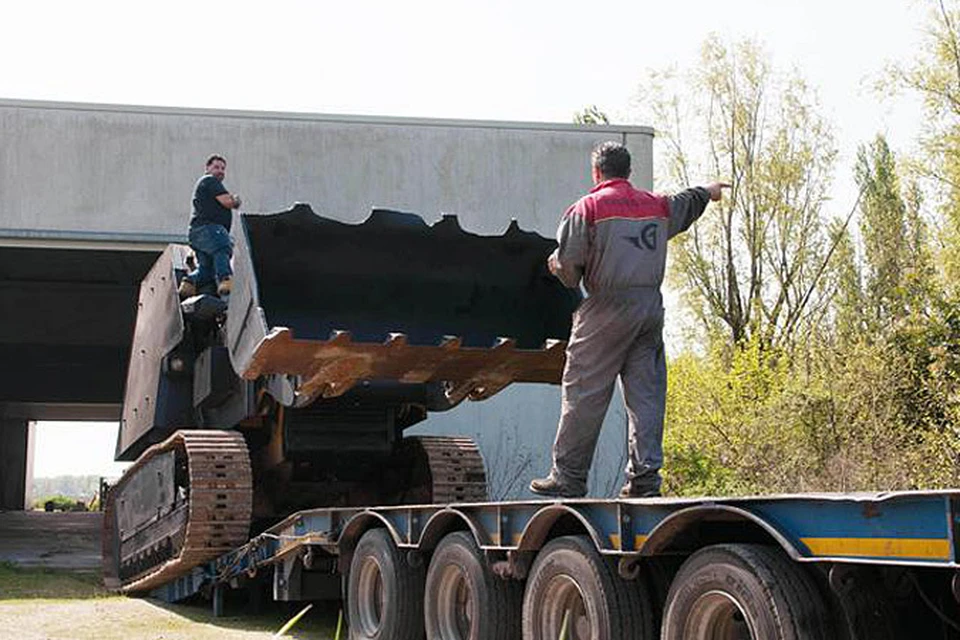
<point x="910" y="529"/>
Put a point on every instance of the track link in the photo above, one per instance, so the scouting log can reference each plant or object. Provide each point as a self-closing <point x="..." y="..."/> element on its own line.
<point x="457" y="472"/>
<point x="220" y="502"/>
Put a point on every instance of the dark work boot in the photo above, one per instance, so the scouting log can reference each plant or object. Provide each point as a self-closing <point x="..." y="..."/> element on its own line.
<point x="631" y="490"/>
<point x="557" y="488"/>
<point x="187" y="289"/>
<point x="223" y="289"/>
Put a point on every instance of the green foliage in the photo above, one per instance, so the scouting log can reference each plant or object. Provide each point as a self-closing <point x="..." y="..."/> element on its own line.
<point x="832" y="358"/>
<point x="935" y="76"/>
<point x="898" y="274"/>
<point x="78" y="487"/>
<point x="742" y="424"/>
<point x="591" y="115"/>
<point x="881" y="412"/>
<point x="848" y="298"/>
<point x="59" y="503"/>
<point x="753" y="265"/>
<point x="883" y="227"/>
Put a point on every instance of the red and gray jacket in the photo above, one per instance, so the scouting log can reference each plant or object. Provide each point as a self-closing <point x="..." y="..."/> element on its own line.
<point x="615" y="237"/>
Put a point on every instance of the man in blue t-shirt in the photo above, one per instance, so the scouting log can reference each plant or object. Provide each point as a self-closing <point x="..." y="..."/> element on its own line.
<point x="210" y="231"/>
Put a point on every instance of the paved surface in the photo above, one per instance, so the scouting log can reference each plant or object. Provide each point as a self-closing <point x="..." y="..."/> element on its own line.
<point x="53" y="540"/>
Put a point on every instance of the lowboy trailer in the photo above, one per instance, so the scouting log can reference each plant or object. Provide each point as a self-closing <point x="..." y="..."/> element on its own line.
<point x="815" y="566"/>
<point x="260" y="427"/>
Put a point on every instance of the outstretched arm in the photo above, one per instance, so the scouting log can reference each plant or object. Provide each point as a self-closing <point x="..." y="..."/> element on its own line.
<point x="716" y="190"/>
<point x="688" y="205"/>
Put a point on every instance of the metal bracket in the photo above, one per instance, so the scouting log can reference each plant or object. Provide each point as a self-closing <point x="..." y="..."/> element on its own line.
<point x="629" y="567"/>
<point x="842" y="578"/>
<point x="415" y="559"/>
<point x="516" y="566"/>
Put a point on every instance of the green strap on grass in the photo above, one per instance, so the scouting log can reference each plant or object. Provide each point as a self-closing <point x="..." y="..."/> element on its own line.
<point x="294" y="620"/>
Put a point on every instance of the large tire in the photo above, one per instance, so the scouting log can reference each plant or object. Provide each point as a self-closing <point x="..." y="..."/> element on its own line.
<point x="742" y="592"/>
<point x="570" y="575"/>
<point x="464" y="599"/>
<point x="656" y="574"/>
<point x="384" y="592"/>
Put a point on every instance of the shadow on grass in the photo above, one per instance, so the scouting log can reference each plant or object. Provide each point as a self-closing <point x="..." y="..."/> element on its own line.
<point x="29" y="583"/>
<point x="247" y="613"/>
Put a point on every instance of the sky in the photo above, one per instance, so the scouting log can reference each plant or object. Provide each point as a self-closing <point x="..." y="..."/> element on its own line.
<point x="75" y="449"/>
<point x="518" y="60"/>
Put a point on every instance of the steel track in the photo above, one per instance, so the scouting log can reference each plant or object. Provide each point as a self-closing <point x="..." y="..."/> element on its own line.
<point x="457" y="472"/>
<point x="221" y="490"/>
<point x="220" y="502"/>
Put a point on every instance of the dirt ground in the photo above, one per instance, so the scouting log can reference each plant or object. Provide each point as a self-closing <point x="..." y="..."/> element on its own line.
<point x="119" y="618"/>
<point x="50" y="588"/>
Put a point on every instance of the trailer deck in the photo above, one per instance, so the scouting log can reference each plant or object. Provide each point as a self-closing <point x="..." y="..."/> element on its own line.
<point x="898" y="528"/>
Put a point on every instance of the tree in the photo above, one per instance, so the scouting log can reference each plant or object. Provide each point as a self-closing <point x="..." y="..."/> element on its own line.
<point x="753" y="267"/>
<point x="591" y="115"/>
<point x="848" y="299"/>
<point x="883" y="228"/>
<point x="898" y="271"/>
<point x="935" y="75"/>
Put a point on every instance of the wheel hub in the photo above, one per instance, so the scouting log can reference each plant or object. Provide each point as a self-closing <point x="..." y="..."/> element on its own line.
<point x="562" y="598"/>
<point x="457" y="608"/>
<point x="716" y="615"/>
<point x="372" y="596"/>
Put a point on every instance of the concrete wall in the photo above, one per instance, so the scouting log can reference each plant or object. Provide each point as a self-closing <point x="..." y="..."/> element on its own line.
<point x="124" y="174"/>
<point x="98" y="169"/>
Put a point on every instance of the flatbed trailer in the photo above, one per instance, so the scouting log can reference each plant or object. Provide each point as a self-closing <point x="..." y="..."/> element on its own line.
<point x="848" y="566"/>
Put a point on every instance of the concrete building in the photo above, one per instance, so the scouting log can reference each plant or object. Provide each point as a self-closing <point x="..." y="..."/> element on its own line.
<point x="89" y="194"/>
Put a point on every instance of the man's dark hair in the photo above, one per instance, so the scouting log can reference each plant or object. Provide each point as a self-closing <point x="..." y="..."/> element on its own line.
<point x="613" y="160"/>
<point x="214" y="158"/>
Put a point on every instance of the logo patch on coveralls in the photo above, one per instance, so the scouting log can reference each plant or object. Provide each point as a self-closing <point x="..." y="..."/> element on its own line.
<point x="647" y="238"/>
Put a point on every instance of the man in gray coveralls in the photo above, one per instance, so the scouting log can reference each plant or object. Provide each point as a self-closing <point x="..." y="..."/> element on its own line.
<point x="615" y="240"/>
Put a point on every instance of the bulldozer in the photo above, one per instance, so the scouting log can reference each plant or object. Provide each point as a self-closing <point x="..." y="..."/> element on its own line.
<point x="296" y="391"/>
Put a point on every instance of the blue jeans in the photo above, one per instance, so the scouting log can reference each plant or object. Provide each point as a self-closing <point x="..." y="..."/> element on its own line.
<point x="214" y="248"/>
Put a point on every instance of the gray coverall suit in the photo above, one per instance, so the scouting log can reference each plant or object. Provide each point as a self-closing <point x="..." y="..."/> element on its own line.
<point x="615" y="240"/>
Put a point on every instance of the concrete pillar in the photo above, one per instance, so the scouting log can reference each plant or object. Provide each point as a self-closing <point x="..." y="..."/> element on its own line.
<point x="15" y="462"/>
<point x="28" y="474"/>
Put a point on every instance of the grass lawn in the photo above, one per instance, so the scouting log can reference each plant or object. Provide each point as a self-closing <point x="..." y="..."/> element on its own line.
<point x="61" y="605"/>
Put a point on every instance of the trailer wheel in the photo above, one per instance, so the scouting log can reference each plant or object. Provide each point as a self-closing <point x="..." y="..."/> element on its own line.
<point x="744" y="592"/>
<point x="384" y="592"/>
<point x="570" y="578"/>
<point x="464" y="599"/>
<point x="657" y="574"/>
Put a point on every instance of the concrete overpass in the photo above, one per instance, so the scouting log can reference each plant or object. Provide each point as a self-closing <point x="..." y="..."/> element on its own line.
<point x="89" y="195"/>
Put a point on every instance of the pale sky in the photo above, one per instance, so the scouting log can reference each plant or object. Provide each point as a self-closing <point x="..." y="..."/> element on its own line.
<point x="519" y="60"/>
<point x="75" y="449"/>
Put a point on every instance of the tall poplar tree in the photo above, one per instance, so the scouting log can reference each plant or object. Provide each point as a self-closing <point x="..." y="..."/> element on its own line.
<point x="752" y="268"/>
